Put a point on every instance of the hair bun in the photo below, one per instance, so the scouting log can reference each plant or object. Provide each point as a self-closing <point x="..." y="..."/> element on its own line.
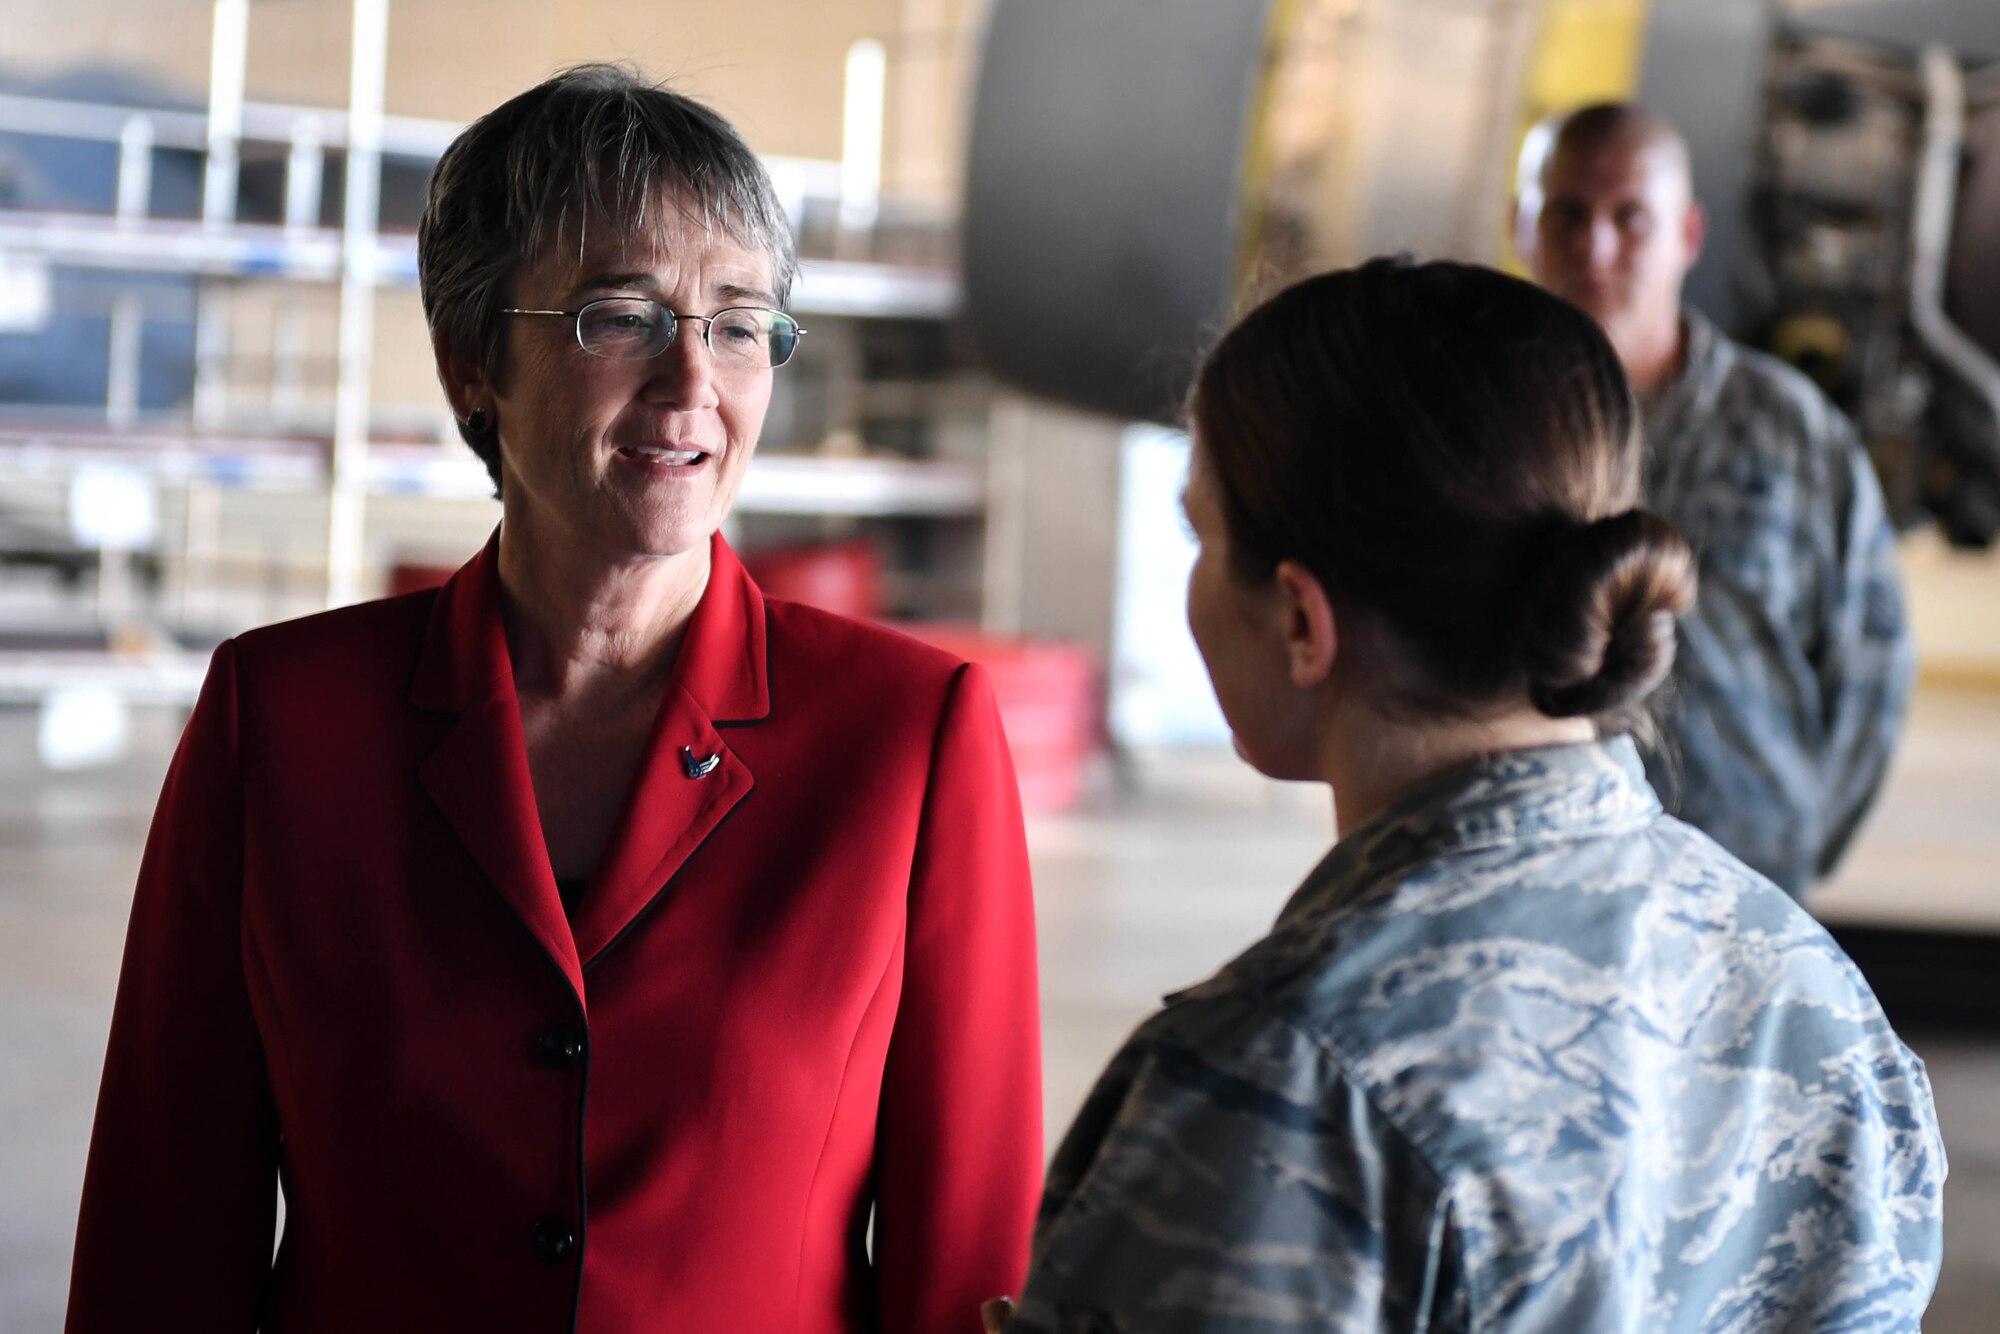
<point x="1597" y="627"/>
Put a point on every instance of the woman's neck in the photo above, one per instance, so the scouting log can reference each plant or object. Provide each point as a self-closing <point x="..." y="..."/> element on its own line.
<point x="579" y="628"/>
<point x="1371" y="760"/>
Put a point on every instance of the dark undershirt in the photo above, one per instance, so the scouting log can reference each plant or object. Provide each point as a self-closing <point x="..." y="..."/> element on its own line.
<point x="572" y="893"/>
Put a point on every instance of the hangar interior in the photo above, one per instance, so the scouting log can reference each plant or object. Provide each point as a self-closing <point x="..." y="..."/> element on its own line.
<point x="218" y="409"/>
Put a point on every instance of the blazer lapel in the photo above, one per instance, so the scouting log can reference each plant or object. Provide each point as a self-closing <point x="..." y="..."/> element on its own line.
<point x="478" y="774"/>
<point x="690" y="779"/>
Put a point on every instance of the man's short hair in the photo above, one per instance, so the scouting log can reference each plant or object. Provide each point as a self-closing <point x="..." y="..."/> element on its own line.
<point x="1589" y="127"/>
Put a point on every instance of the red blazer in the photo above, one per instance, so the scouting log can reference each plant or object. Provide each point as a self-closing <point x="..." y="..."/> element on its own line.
<point x="800" y="986"/>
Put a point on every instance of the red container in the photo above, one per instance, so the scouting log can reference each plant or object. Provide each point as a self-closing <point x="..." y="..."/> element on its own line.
<point x="841" y="577"/>
<point x="406" y="577"/>
<point x="1047" y="693"/>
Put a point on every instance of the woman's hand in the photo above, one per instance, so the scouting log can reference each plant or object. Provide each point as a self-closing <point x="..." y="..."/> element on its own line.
<point x="995" y="1314"/>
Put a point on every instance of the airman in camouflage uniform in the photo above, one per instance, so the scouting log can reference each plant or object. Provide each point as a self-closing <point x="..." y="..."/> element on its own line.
<point x="1526" y="1053"/>
<point x="1795" y="666"/>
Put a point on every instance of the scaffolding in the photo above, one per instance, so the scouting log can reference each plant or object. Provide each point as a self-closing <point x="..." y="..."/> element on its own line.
<point x="345" y="461"/>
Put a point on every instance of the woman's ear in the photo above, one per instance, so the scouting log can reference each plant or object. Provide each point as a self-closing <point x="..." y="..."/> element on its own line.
<point x="465" y="385"/>
<point x="1312" y="639"/>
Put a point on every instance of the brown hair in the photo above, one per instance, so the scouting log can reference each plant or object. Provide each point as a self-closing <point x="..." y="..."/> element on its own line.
<point x="594" y="142"/>
<point x="1458" y="452"/>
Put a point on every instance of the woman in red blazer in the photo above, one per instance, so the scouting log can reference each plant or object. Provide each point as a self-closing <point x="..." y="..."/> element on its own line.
<point x="590" y="944"/>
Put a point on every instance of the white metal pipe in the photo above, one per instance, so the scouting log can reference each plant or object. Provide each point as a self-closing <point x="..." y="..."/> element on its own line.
<point x="59" y="119"/>
<point x="347" y="497"/>
<point x="135" y="190"/>
<point x="305" y="168"/>
<point x="201" y="544"/>
<point x="1931" y="228"/>
<point x="271" y="122"/>
<point x="121" y="392"/>
<point x="861" y="133"/>
<point x="288" y="352"/>
<point x="211" y="355"/>
<point x="921" y="45"/>
<point x="228" y="53"/>
<point x="135" y="167"/>
<point x="1003" y="580"/>
<point x="155" y="245"/>
<point x="114" y="587"/>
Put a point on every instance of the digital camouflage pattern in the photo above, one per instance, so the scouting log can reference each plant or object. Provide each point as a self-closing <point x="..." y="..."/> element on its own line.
<point x="1524" y="1054"/>
<point x="1794" y="669"/>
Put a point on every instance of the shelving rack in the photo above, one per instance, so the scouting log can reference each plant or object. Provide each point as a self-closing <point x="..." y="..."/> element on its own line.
<point x="345" y="461"/>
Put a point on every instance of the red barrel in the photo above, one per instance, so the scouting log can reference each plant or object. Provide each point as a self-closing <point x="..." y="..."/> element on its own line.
<point x="840" y="577"/>
<point x="1048" y="697"/>
<point x="409" y="577"/>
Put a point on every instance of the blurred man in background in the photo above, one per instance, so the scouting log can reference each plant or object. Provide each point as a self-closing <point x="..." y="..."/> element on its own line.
<point x="1795" y="668"/>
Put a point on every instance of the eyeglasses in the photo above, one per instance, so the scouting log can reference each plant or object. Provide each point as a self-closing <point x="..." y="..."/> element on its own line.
<point x="634" y="328"/>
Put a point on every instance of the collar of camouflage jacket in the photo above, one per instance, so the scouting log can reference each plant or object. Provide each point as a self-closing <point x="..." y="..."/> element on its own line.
<point x="1690" y="396"/>
<point x="1546" y="795"/>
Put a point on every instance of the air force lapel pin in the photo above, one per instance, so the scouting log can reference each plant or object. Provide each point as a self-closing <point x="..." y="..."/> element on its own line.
<point x="695" y="768"/>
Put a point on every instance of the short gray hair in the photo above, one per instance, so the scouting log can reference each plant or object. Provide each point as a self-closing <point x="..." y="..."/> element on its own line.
<point x="595" y="141"/>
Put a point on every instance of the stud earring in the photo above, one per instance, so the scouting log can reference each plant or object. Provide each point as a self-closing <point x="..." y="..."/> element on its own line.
<point x="476" y="421"/>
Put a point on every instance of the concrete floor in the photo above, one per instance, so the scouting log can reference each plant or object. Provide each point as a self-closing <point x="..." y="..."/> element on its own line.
<point x="1145" y="895"/>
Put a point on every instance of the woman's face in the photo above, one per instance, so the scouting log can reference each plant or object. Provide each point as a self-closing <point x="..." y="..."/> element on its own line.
<point x="628" y="459"/>
<point x="1240" y="630"/>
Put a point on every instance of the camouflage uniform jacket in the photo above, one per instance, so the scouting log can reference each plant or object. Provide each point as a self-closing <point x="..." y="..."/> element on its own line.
<point x="1795" y="667"/>
<point x="1524" y="1054"/>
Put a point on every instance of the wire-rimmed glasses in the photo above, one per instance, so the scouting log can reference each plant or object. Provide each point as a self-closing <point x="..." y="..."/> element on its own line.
<point x="636" y="328"/>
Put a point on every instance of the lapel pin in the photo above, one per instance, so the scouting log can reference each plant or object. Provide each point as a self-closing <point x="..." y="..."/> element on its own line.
<point x="695" y="768"/>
